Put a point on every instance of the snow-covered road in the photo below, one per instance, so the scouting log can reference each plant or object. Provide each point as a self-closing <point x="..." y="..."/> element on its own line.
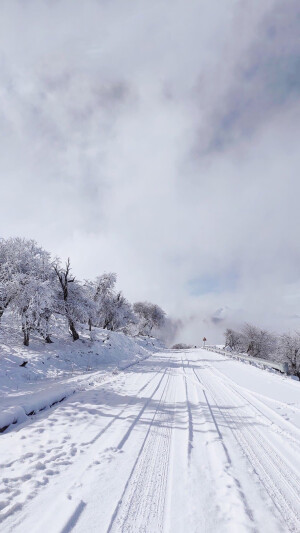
<point x="181" y="442"/>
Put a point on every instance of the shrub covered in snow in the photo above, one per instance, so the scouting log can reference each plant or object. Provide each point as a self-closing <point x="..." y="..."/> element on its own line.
<point x="181" y="346"/>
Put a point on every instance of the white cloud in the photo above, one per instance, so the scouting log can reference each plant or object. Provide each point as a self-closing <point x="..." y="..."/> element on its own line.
<point x="158" y="140"/>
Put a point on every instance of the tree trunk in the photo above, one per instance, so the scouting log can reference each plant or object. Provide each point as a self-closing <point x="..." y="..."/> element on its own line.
<point x="73" y="330"/>
<point x="48" y="339"/>
<point x="26" y="336"/>
<point x="90" y="325"/>
<point x="25" y="327"/>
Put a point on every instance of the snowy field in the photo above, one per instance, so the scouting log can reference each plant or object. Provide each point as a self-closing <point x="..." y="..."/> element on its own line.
<point x="183" y="441"/>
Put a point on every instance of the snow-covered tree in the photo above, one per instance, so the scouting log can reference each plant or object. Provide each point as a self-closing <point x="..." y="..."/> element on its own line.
<point x="72" y="300"/>
<point x="33" y="303"/>
<point x="12" y="262"/>
<point x="111" y="310"/>
<point x="288" y="350"/>
<point x="150" y="316"/>
<point x="234" y="339"/>
<point x="122" y="315"/>
<point x="5" y="279"/>
<point x="101" y="292"/>
<point x="36" y="289"/>
<point x="258" y="342"/>
<point x="28" y="284"/>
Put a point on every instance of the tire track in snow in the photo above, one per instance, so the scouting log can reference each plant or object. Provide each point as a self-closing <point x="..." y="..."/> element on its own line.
<point x="122" y="411"/>
<point x="272" y="472"/>
<point x="276" y="427"/>
<point x="228" y="466"/>
<point x="141" y="506"/>
<point x="190" y="415"/>
<point x="265" y="442"/>
<point x="138" y="417"/>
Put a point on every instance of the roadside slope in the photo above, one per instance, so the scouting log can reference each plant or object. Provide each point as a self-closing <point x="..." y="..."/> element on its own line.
<point x="55" y="371"/>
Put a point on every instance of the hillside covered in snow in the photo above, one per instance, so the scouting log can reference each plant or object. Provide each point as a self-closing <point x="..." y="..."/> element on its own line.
<point x="36" y="377"/>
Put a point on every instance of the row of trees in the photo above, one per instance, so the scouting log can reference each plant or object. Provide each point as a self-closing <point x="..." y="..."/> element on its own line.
<point x="261" y="343"/>
<point x="37" y="289"/>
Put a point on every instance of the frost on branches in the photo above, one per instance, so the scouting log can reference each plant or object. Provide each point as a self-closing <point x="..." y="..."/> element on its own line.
<point x="111" y="310"/>
<point x="36" y="289"/>
<point x="25" y="272"/>
<point x="150" y="316"/>
<point x="260" y="343"/>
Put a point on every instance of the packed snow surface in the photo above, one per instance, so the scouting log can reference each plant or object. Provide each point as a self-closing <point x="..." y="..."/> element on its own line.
<point x="183" y="441"/>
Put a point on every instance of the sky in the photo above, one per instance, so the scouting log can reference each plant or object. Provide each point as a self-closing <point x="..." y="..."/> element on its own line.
<point x="159" y="140"/>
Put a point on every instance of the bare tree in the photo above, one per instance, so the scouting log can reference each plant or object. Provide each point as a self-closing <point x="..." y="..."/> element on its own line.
<point x="69" y="305"/>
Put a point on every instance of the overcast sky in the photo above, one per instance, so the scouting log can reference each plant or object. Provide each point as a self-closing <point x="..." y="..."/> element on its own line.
<point x="159" y="140"/>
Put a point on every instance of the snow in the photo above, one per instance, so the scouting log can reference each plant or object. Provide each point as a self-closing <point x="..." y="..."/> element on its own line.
<point x="182" y="441"/>
<point x="56" y="371"/>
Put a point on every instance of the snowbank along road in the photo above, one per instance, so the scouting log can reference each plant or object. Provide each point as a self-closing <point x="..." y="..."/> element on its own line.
<point x="185" y="441"/>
